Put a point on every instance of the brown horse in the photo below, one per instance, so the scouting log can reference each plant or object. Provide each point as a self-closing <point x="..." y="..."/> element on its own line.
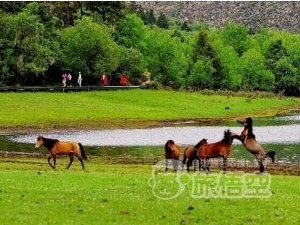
<point x="190" y="154"/>
<point x="248" y="139"/>
<point x="56" y="147"/>
<point x="172" y="152"/>
<point x="215" y="150"/>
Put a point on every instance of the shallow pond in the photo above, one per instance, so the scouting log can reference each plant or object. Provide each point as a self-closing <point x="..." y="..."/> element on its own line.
<point x="281" y="130"/>
<point x="280" y="133"/>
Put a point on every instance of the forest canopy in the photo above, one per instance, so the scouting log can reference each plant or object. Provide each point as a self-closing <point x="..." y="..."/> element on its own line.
<point x="41" y="40"/>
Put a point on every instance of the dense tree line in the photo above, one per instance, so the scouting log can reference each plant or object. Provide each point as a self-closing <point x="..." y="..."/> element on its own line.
<point x="41" y="40"/>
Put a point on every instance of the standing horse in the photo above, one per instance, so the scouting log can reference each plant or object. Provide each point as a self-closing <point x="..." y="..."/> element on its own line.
<point x="190" y="154"/>
<point x="248" y="139"/>
<point x="172" y="152"/>
<point x="56" y="147"/>
<point x="215" y="150"/>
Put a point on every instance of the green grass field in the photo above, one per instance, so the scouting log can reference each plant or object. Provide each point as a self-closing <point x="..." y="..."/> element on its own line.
<point x="32" y="193"/>
<point x="130" y="108"/>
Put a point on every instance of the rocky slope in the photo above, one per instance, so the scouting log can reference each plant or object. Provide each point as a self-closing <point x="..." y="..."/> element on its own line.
<point x="284" y="15"/>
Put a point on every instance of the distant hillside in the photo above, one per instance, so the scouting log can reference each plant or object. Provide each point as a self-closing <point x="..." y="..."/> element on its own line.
<point x="281" y="15"/>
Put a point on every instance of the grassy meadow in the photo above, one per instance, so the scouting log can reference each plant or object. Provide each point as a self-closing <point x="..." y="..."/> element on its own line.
<point x="32" y="193"/>
<point x="115" y="193"/>
<point x="130" y="108"/>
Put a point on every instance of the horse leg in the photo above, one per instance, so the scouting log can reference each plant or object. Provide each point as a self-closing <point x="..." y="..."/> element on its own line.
<point x="175" y="164"/>
<point x="202" y="165"/>
<point x="207" y="165"/>
<point x="48" y="159"/>
<point x="166" y="164"/>
<point x="195" y="164"/>
<point x="192" y="163"/>
<point x="260" y="166"/>
<point x="260" y="158"/>
<point x="224" y="165"/>
<point x="81" y="161"/>
<point x="71" y="156"/>
<point x="54" y="161"/>
<point x="188" y="165"/>
<point x="183" y="162"/>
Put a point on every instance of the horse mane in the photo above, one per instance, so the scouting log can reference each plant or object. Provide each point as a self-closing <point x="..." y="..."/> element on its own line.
<point x="48" y="142"/>
<point x="250" y="128"/>
<point x="227" y="137"/>
<point x="200" y="143"/>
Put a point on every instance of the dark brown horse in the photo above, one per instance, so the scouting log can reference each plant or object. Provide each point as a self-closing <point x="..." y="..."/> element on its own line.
<point x="172" y="152"/>
<point x="56" y="147"/>
<point x="248" y="139"/>
<point x="215" y="150"/>
<point x="190" y="154"/>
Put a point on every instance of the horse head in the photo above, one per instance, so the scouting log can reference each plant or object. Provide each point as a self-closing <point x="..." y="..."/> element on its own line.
<point x="171" y="149"/>
<point x="47" y="142"/>
<point x="39" y="142"/>
<point x="248" y="127"/>
<point x="246" y="122"/>
<point x="229" y="136"/>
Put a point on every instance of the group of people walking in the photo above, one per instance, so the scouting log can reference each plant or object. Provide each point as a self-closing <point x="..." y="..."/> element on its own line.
<point x="103" y="79"/>
<point x="67" y="79"/>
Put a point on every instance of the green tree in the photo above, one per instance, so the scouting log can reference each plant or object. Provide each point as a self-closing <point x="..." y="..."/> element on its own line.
<point x="88" y="47"/>
<point x="130" y="31"/>
<point x="177" y="34"/>
<point x="235" y="35"/>
<point x="133" y="64"/>
<point x="275" y="52"/>
<point x="255" y="75"/>
<point x="65" y="11"/>
<point x="229" y="60"/>
<point x="148" y="17"/>
<point x="278" y="61"/>
<point x="201" y="74"/>
<point x="27" y="52"/>
<point x="162" y="21"/>
<point x="287" y="77"/>
<point x="166" y="58"/>
<point x="203" y="49"/>
<point x="110" y="11"/>
<point x="185" y="26"/>
<point x="12" y="6"/>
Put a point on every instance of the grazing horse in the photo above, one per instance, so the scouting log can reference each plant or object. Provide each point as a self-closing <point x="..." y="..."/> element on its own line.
<point x="56" y="147"/>
<point x="190" y="154"/>
<point x="248" y="139"/>
<point x="172" y="152"/>
<point x="215" y="150"/>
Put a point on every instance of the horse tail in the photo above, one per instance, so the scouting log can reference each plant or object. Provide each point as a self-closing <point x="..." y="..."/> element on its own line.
<point x="82" y="151"/>
<point x="271" y="154"/>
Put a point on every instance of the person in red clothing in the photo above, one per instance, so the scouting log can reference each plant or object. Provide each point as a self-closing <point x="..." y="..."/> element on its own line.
<point x="104" y="79"/>
<point x="123" y="79"/>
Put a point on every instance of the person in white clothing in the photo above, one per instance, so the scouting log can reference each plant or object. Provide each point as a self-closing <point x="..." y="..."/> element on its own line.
<point x="79" y="80"/>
